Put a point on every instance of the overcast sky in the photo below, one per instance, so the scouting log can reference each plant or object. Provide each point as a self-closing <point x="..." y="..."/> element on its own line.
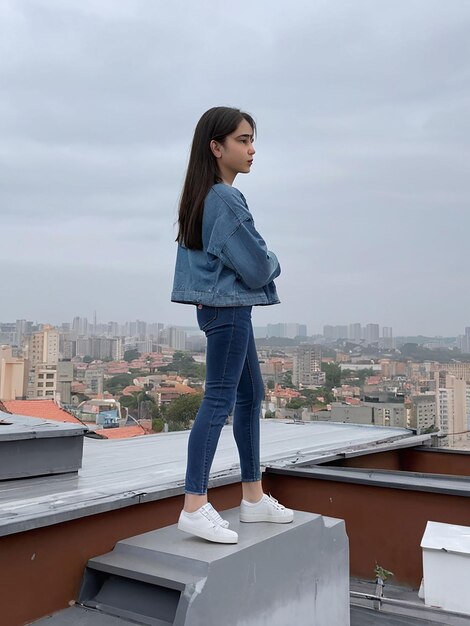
<point x="360" y="182"/>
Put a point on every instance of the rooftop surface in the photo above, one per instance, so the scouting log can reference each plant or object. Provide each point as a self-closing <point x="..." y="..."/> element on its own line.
<point x="45" y="409"/>
<point x="124" y="472"/>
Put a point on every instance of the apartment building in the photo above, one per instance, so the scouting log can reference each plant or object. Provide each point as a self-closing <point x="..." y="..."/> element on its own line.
<point x="13" y="375"/>
<point x="451" y="407"/>
<point x="423" y="413"/>
<point x="42" y="350"/>
<point x="307" y="366"/>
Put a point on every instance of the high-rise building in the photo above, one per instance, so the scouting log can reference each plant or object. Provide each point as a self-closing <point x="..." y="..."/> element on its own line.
<point x="23" y="328"/>
<point x="154" y="330"/>
<point x="176" y="338"/>
<point x="335" y="332"/>
<point x="141" y="329"/>
<point x="113" y="329"/>
<point x="7" y="333"/>
<point x="307" y="366"/>
<point x="355" y="332"/>
<point x="463" y="341"/>
<point x="117" y="348"/>
<point x="371" y="333"/>
<point x="387" y="337"/>
<point x="284" y="330"/>
<point x="43" y="346"/>
<point x="80" y="326"/>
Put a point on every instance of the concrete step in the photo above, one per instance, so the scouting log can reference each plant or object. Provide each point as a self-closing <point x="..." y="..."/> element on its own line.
<point x="277" y="574"/>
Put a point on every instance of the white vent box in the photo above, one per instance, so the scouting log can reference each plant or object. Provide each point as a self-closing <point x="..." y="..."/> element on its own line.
<point x="446" y="566"/>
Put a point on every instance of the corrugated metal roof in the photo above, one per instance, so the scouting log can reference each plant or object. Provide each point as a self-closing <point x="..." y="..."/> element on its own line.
<point x="124" y="472"/>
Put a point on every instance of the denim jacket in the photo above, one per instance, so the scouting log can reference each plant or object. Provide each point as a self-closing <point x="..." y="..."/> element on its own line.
<point x="234" y="268"/>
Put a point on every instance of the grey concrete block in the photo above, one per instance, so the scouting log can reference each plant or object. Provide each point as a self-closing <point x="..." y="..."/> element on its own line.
<point x="277" y="574"/>
<point x="30" y="446"/>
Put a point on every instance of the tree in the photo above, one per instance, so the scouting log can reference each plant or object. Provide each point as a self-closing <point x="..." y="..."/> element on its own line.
<point x="184" y="364"/>
<point x="333" y="374"/>
<point x="141" y="405"/>
<point x="182" y="411"/>
<point x="116" y="384"/>
<point x="87" y="359"/>
<point x="363" y="374"/>
<point x="159" y="411"/>
<point x="158" y="425"/>
<point x="287" y="380"/>
<point x="130" y="401"/>
<point x="130" y="355"/>
<point x="270" y="384"/>
<point x="295" y="403"/>
<point x="347" y="375"/>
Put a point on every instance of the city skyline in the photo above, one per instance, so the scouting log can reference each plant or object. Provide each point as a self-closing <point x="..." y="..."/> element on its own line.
<point x="327" y="330"/>
<point x="359" y="182"/>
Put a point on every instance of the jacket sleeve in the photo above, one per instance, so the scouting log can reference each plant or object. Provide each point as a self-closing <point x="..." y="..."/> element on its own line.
<point x="246" y="253"/>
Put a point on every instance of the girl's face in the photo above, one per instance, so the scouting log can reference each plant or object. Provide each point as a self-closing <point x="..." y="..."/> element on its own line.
<point x="235" y="155"/>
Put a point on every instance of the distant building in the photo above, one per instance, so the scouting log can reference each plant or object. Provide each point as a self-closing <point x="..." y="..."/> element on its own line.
<point x="376" y="413"/>
<point x="289" y="331"/>
<point x="371" y="333"/>
<point x="7" y="333"/>
<point x="423" y="412"/>
<point x="94" y="380"/>
<point x="387" y="337"/>
<point x="335" y="332"/>
<point x="43" y="347"/>
<point x="13" y="375"/>
<point x="42" y="382"/>
<point x="23" y="329"/>
<point x="390" y="369"/>
<point x="80" y="326"/>
<point x="42" y="350"/>
<point x="459" y="370"/>
<point x="355" y="332"/>
<point x="64" y="382"/>
<point x="271" y="370"/>
<point x="463" y="341"/>
<point x="176" y="338"/>
<point x="99" y="348"/>
<point x="451" y="407"/>
<point x="307" y="366"/>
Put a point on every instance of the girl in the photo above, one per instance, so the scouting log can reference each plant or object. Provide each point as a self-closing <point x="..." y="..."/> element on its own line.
<point x="224" y="268"/>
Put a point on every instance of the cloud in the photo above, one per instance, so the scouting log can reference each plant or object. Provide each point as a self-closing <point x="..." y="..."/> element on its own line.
<point x="360" y="179"/>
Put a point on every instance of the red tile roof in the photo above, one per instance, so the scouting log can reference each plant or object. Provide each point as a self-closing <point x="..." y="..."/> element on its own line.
<point x="130" y="389"/>
<point x="45" y="409"/>
<point x="121" y="433"/>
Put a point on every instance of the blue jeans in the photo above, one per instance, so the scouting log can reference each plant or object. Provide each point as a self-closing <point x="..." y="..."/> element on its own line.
<point x="233" y="378"/>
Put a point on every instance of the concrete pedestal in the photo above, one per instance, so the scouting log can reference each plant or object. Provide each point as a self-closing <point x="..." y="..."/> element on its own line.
<point x="277" y="574"/>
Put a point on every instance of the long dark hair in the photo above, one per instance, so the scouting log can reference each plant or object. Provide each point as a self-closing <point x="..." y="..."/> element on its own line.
<point x="203" y="172"/>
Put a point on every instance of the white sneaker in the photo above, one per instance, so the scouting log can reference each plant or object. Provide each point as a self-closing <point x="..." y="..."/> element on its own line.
<point x="218" y="518"/>
<point x="267" y="509"/>
<point x="204" y="523"/>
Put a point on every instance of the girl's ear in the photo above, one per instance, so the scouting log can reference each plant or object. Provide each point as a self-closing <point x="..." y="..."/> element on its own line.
<point x="215" y="148"/>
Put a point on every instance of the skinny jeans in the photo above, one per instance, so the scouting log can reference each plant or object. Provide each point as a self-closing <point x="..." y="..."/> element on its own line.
<point x="233" y="381"/>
